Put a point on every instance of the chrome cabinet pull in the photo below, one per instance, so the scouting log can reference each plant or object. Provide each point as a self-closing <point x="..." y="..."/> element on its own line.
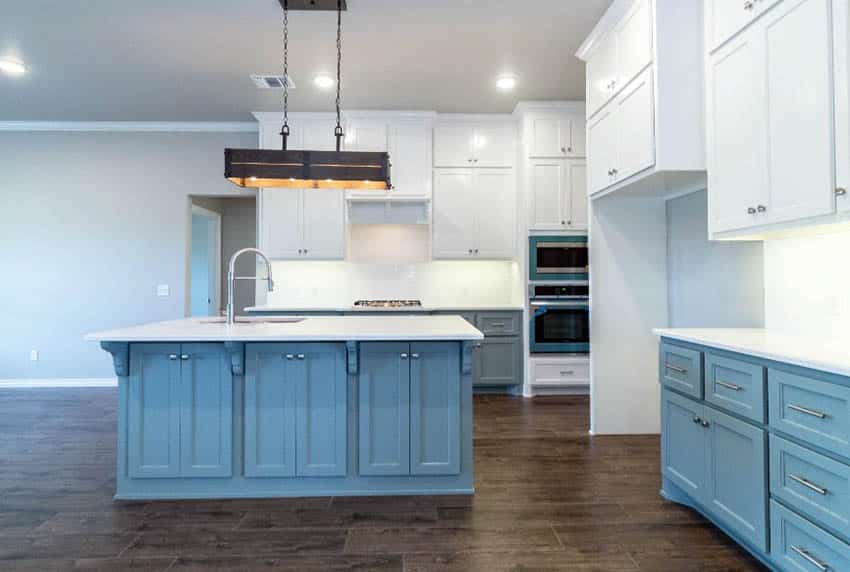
<point x="674" y="368"/>
<point x="290" y="356"/>
<point x="751" y="210"/>
<point x="498" y="324"/>
<point x="840" y="192"/>
<point x="184" y="357"/>
<point x="728" y="385"/>
<point x="403" y="356"/>
<point x="414" y="356"/>
<point x="807" y="411"/>
<point x="172" y="357"/>
<point x="810" y="559"/>
<point x="808" y="484"/>
<point x="568" y="372"/>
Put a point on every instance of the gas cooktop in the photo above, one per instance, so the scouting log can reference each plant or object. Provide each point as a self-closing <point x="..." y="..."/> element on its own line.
<point x="387" y="304"/>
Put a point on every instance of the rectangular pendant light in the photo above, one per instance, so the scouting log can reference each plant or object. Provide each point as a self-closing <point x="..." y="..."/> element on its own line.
<point x="268" y="168"/>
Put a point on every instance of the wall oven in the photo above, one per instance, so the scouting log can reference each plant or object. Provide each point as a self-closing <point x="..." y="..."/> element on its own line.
<point x="560" y="318"/>
<point x="558" y="258"/>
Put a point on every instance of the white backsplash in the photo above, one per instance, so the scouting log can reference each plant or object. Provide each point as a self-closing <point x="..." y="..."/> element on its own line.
<point x="806" y="284"/>
<point x="436" y="283"/>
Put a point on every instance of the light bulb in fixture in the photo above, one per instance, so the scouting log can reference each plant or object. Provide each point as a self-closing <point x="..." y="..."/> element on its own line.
<point x="12" y="67"/>
<point x="323" y="81"/>
<point x="506" y="82"/>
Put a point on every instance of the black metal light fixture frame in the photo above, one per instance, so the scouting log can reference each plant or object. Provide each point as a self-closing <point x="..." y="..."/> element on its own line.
<point x="304" y="169"/>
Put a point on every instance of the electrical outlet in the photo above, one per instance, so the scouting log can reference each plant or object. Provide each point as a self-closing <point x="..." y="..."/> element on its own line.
<point x="33" y="355"/>
<point x="162" y="290"/>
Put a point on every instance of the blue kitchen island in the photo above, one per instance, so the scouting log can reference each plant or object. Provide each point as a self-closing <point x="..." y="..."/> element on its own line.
<point x="291" y="407"/>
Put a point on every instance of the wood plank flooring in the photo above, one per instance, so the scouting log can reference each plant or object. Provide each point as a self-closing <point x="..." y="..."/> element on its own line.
<point x="548" y="498"/>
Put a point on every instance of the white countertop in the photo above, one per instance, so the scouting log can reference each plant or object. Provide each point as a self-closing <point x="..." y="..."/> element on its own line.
<point x="455" y="308"/>
<point x="311" y="329"/>
<point x="831" y="355"/>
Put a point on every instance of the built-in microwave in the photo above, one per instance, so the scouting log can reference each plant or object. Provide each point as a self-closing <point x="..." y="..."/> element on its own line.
<point x="558" y="258"/>
<point x="560" y="318"/>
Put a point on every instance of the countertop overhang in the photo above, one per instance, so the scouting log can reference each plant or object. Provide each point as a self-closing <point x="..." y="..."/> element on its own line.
<point x="311" y="329"/>
<point x="826" y="354"/>
<point x="405" y="309"/>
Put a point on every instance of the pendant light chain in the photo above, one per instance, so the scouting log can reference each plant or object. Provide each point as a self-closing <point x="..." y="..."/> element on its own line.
<point x="338" y="133"/>
<point x="284" y="132"/>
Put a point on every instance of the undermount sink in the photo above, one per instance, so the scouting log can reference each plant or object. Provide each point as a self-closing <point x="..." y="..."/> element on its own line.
<point x="254" y="320"/>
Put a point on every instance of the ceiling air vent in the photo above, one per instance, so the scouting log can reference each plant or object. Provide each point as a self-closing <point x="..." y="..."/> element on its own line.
<point x="272" y="81"/>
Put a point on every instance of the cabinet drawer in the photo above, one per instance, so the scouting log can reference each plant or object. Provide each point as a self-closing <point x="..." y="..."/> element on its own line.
<point x="499" y="324"/>
<point x="563" y="373"/>
<point x="817" y="486"/>
<point x="736" y="386"/>
<point x="681" y="369"/>
<point x="797" y="545"/>
<point x="816" y="411"/>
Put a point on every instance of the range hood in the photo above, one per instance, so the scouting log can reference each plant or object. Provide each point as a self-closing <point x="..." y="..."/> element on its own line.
<point x="414" y="211"/>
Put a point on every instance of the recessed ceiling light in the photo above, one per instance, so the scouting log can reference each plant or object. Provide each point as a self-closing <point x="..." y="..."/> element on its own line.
<point x="506" y="82"/>
<point x="12" y="67"/>
<point x="323" y="81"/>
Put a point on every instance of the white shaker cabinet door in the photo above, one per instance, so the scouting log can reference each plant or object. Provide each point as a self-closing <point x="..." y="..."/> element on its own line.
<point x="548" y="136"/>
<point x="454" y="207"/>
<point x="316" y="134"/>
<point x="634" y="42"/>
<point x="636" y="128"/>
<point x="799" y="110"/>
<point x="366" y="135"/>
<point x="495" y="214"/>
<point x="602" y="149"/>
<point x="601" y="74"/>
<point x="280" y="223"/>
<point x="548" y="194"/>
<point x="453" y="145"/>
<point x="494" y="145"/>
<point x="737" y="134"/>
<point x="841" y="26"/>
<point x="577" y="188"/>
<point x="324" y="224"/>
<point x="410" y="159"/>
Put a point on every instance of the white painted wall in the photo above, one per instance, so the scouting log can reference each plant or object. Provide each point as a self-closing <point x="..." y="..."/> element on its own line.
<point x="806" y="284"/>
<point x="628" y="276"/>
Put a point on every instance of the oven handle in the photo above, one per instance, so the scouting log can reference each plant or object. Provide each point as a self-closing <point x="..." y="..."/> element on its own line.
<point x="560" y="304"/>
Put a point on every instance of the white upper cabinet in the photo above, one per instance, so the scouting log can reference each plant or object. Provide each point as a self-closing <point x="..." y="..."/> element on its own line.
<point x="302" y="224"/>
<point x="725" y="18"/>
<point x="558" y="194"/>
<point x="410" y="159"/>
<point x="366" y="135"/>
<point x="557" y="135"/>
<point x="474" y="214"/>
<point x="468" y="144"/>
<point x="622" y="54"/>
<point x="770" y="121"/>
<point x="645" y="91"/>
<point x="841" y="59"/>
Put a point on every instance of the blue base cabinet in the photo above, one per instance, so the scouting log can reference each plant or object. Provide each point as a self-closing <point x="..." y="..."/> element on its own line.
<point x="764" y="455"/>
<point x="180" y="418"/>
<point x="258" y="419"/>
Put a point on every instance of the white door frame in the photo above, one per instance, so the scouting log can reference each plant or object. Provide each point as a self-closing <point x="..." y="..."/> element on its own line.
<point x="215" y="298"/>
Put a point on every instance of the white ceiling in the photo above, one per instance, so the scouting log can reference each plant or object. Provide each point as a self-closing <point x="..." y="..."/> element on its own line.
<point x="190" y="59"/>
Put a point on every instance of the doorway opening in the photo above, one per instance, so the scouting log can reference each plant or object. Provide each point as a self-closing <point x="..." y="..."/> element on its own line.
<point x="219" y="227"/>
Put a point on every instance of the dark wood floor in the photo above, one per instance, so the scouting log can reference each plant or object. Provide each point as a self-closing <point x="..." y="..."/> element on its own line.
<point x="548" y="498"/>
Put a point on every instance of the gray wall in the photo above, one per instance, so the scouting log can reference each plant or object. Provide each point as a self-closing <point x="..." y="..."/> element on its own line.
<point x="711" y="284"/>
<point x="239" y="230"/>
<point x="90" y="223"/>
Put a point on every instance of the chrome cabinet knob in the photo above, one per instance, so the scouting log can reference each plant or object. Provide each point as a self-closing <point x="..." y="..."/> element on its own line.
<point x="414" y="356"/>
<point x="761" y="208"/>
<point x="290" y="356"/>
<point x="615" y="171"/>
<point x="476" y="251"/>
<point x="563" y="149"/>
<point x="705" y="423"/>
<point x="563" y="222"/>
<point x="840" y="192"/>
<point x="300" y="356"/>
<point x="305" y="251"/>
<point x="751" y="210"/>
<point x="697" y="420"/>
<point x="403" y="356"/>
<point x="470" y="251"/>
<point x="184" y="357"/>
<point x="569" y="149"/>
<point x="748" y="5"/>
<point x="172" y="357"/>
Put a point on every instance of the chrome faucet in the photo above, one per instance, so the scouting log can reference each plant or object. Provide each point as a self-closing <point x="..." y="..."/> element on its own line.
<point x="231" y="279"/>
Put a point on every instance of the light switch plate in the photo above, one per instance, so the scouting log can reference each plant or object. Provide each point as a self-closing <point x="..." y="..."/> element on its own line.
<point x="162" y="290"/>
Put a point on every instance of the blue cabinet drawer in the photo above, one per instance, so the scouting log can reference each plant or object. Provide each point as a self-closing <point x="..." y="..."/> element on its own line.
<point x="797" y="545"/>
<point x="499" y="324"/>
<point x="817" y="486"/>
<point x="681" y="369"/>
<point x="815" y="411"/>
<point x="736" y="386"/>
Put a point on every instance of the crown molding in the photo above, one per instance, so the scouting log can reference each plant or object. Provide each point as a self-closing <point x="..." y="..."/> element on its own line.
<point x="605" y="24"/>
<point x="539" y="105"/>
<point x="277" y="116"/>
<point x="133" y="126"/>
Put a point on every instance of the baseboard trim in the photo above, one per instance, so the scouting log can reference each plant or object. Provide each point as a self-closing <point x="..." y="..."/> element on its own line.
<point x="56" y="383"/>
